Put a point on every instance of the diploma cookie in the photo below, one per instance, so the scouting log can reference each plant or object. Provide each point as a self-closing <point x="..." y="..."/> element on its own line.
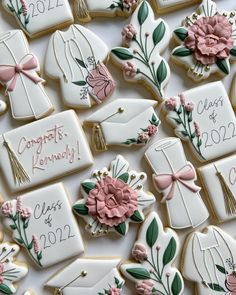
<point x="208" y="42"/>
<point x="18" y="73"/>
<point x="88" y="9"/>
<point x="3" y="107"/>
<point x="219" y="182"/>
<point x="43" y="225"/>
<point x="36" y="17"/>
<point x="164" y="6"/>
<point x="81" y="277"/>
<point x="209" y="260"/>
<point x="203" y="116"/>
<point x="154" y="253"/>
<point x="113" y="198"/>
<point x="124" y="122"/>
<point x="174" y="177"/>
<point x="75" y="57"/>
<point x="43" y="150"/>
<point x="146" y="38"/>
<point x="11" y="270"/>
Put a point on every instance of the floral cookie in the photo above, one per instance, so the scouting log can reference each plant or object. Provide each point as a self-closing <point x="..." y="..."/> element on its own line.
<point x="165" y="6"/>
<point x="219" y="181"/>
<point x="80" y="277"/>
<point x="43" y="151"/>
<point x="36" y="17"/>
<point x="124" y="122"/>
<point x="174" y="177"/>
<point x="19" y="74"/>
<point x="204" y="117"/>
<point x="208" y="42"/>
<point x="11" y="271"/>
<point x="209" y="261"/>
<point x="44" y="226"/>
<point x="154" y="253"/>
<point x="75" y="57"/>
<point x="88" y="9"/>
<point x="113" y="198"/>
<point x="146" y="39"/>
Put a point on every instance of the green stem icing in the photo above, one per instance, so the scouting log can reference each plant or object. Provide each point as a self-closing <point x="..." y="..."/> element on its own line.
<point x="19" y="14"/>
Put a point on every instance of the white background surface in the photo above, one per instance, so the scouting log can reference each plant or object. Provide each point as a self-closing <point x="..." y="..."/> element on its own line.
<point x="109" y="30"/>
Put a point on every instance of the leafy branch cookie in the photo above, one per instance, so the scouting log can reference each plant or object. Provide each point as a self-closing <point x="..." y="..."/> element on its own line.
<point x="208" y="41"/>
<point x="146" y="38"/>
<point x="154" y="253"/>
<point x="113" y="198"/>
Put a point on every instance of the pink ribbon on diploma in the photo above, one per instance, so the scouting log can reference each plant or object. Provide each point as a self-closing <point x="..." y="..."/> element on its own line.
<point x="184" y="175"/>
<point x="11" y="72"/>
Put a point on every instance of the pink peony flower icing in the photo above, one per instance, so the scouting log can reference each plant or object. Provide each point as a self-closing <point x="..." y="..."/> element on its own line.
<point x="139" y="252"/>
<point x="145" y="287"/>
<point x="210" y="38"/>
<point x="231" y="284"/>
<point x="130" y="70"/>
<point x="115" y="291"/>
<point x="112" y="201"/>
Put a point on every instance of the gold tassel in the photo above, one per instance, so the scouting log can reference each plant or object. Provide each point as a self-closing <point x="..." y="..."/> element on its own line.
<point x="230" y="201"/>
<point x="18" y="171"/>
<point x="82" y="10"/>
<point x="98" y="140"/>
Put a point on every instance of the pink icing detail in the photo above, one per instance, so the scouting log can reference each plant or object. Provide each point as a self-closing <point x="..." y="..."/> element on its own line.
<point x="158" y="247"/>
<point x="112" y="201"/>
<point x="101" y="81"/>
<point x="128" y="32"/>
<point x="210" y="38"/>
<point x="9" y="73"/>
<point x="25" y="213"/>
<point x="231" y="283"/>
<point x="167" y="274"/>
<point x="145" y="287"/>
<point x="115" y="291"/>
<point x="170" y="104"/>
<point x="152" y="130"/>
<point x="1" y="279"/>
<point x="139" y="252"/>
<point x="128" y="4"/>
<point x="24" y="6"/>
<point x="182" y="99"/>
<point x="143" y="137"/>
<point x="130" y="70"/>
<point x="35" y="244"/>
<point x="7" y="210"/>
<point x="1" y="271"/>
<point x="189" y="107"/>
<point x="18" y="204"/>
<point x="197" y="129"/>
<point x="184" y="175"/>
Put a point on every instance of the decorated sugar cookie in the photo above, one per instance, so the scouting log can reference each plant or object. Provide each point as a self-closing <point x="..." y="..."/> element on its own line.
<point x="219" y="180"/>
<point x="113" y="198"/>
<point x="145" y="39"/>
<point x="88" y="9"/>
<point x="3" y="107"/>
<point x="11" y="270"/>
<point x="204" y="117"/>
<point x="42" y="222"/>
<point x="36" y="17"/>
<point x="209" y="261"/>
<point x="154" y="253"/>
<point x="124" y="122"/>
<point x="208" y="42"/>
<point x="75" y="57"/>
<point x="44" y="150"/>
<point x="18" y="73"/>
<point x="80" y="277"/>
<point x="174" y="177"/>
<point x="164" y="6"/>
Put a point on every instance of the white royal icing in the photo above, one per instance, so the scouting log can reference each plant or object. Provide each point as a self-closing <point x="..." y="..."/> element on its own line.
<point x="80" y="277"/>
<point x="205" y="119"/>
<point x="146" y="38"/>
<point x="166" y="5"/>
<point x="46" y="149"/>
<point x="3" y="107"/>
<point x="74" y="58"/>
<point x="183" y="201"/>
<point x="36" y="17"/>
<point x="209" y="261"/>
<point x="154" y="253"/>
<point x="28" y="99"/>
<point x="44" y="226"/>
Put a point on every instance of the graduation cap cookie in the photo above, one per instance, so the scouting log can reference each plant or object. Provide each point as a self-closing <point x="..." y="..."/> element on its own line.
<point x="81" y="277"/>
<point x="124" y="122"/>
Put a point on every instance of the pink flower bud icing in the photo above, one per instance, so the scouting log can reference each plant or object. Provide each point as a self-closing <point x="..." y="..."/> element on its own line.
<point x="170" y="104"/>
<point x="139" y="252"/>
<point x="7" y="208"/>
<point x="25" y="213"/>
<point x="145" y="287"/>
<point x="130" y="70"/>
<point x="129" y="32"/>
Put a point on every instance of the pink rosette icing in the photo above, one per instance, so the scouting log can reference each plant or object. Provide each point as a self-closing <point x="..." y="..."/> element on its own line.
<point x="145" y="287"/>
<point x="231" y="284"/>
<point x="112" y="201"/>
